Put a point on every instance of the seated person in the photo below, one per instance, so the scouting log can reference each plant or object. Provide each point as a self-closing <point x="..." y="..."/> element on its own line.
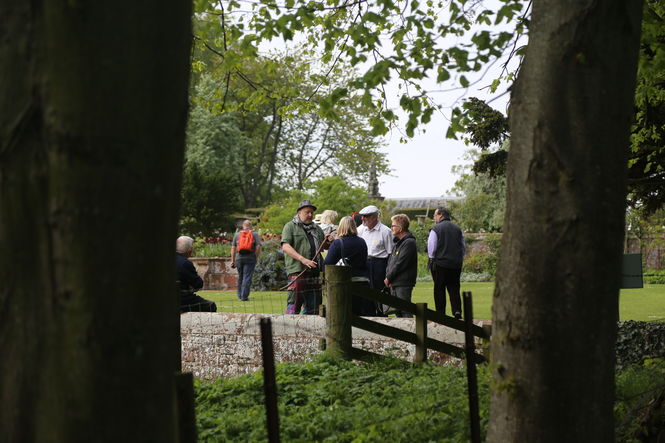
<point x="188" y="279"/>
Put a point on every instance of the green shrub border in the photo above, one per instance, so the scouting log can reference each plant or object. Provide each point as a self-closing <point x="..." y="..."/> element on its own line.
<point x="638" y="341"/>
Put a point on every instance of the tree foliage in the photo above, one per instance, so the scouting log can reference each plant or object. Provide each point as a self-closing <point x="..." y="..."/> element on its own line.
<point x="487" y="128"/>
<point x="484" y="203"/>
<point x="285" y="139"/>
<point x="407" y="41"/>
<point x="646" y="165"/>
<point x="327" y="193"/>
<point x="209" y="197"/>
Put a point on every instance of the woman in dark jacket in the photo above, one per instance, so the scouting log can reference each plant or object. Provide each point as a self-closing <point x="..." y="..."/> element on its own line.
<point x="403" y="261"/>
<point x="354" y="250"/>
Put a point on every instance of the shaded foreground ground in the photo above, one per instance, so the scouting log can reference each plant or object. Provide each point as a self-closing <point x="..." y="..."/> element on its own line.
<point x="646" y="304"/>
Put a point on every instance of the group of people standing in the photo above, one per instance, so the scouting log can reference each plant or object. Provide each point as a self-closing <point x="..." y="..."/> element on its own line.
<point x="379" y="256"/>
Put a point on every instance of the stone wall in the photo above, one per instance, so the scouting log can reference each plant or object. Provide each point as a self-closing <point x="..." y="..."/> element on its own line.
<point x="224" y="344"/>
<point x="216" y="272"/>
<point x="651" y="248"/>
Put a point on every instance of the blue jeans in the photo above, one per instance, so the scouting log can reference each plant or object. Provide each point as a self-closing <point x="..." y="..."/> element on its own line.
<point x="245" y="272"/>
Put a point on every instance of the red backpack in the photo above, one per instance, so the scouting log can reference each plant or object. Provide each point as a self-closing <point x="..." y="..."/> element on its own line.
<point x="245" y="241"/>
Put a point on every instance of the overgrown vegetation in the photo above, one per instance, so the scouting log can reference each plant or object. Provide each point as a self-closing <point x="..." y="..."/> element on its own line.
<point x="340" y="401"/>
<point x="639" y="408"/>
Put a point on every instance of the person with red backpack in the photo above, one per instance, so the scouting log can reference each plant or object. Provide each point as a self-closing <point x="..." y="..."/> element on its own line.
<point x="247" y="244"/>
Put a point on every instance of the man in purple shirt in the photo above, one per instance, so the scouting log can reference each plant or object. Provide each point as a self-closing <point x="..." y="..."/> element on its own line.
<point x="446" y="249"/>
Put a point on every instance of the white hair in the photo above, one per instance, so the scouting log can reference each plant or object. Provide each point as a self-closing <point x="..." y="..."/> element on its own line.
<point x="184" y="244"/>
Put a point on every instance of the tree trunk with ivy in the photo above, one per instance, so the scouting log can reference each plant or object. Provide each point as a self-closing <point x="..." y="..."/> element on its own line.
<point x="556" y="299"/>
<point x="92" y="120"/>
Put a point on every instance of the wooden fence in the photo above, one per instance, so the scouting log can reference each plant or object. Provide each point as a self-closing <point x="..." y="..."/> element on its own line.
<point x="340" y="320"/>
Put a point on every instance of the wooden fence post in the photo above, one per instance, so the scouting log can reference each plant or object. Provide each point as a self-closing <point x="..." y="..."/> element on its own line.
<point x="471" y="375"/>
<point x="421" y="333"/>
<point x="269" y="383"/>
<point x="338" y="311"/>
<point x="177" y="339"/>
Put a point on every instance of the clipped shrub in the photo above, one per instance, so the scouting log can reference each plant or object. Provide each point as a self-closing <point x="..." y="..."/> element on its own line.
<point x="421" y="233"/>
<point x="423" y="272"/>
<point x="637" y="341"/>
<point x="654" y="276"/>
<point x="479" y="277"/>
<point x="212" y="247"/>
<point x="480" y="263"/>
<point x="270" y="272"/>
<point x="476" y="275"/>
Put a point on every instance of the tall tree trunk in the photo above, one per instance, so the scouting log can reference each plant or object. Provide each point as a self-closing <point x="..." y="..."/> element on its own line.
<point x="93" y="106"/>
<point x="556" y="299"/>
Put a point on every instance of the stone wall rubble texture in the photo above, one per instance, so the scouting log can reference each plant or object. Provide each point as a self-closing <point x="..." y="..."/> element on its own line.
<point x="225" y="345"/>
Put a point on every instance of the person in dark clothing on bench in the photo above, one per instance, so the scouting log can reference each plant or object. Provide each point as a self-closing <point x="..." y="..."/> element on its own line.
<point x="189" y="280"/>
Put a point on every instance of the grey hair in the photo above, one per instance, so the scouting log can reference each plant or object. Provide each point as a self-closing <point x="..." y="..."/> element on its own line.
<point x="402" y="220"/>
<point x="184" y="244"/>
<point x="329" y="217"/>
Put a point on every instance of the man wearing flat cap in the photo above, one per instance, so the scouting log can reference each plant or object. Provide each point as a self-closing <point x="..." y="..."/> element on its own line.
<point x="302" y="242"/>
<point x="379" y="239"/>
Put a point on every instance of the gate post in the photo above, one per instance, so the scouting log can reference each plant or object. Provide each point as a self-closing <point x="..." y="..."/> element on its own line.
<point x="338" y="311"/>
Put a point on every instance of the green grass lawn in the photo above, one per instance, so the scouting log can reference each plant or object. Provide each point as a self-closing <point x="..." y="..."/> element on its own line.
<point x="646" y="304"/>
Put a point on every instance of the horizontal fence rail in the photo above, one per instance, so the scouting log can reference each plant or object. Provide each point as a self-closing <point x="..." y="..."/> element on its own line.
<point x="340" y="320"/>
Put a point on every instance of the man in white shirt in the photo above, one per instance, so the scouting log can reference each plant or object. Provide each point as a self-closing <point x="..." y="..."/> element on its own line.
<point x="379" y="239"/>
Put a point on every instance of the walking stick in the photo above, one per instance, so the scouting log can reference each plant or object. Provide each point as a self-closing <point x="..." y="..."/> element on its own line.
<point x="318" y="251"/>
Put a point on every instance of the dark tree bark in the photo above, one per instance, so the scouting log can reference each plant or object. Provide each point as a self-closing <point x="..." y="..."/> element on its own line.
<point x="93" y="106"/>
<point x="556" y="299"/>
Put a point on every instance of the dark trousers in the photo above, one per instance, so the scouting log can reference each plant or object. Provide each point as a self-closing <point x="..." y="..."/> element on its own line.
<point x="377" y="273"/>
<point x="190" y="302"/>
<point x="403" y="292"/>
<point x="446" y="278"/>
<point x="304" y="293"/>
<point x="362" y="306"/>
<point x="245" y="272"/>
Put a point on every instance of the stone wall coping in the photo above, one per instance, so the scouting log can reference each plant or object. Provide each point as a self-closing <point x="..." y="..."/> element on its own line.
<point x="304" y="326"/>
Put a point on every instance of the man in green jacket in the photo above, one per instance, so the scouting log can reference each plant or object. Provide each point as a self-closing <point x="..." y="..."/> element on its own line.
<point x="302" y="242"/>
